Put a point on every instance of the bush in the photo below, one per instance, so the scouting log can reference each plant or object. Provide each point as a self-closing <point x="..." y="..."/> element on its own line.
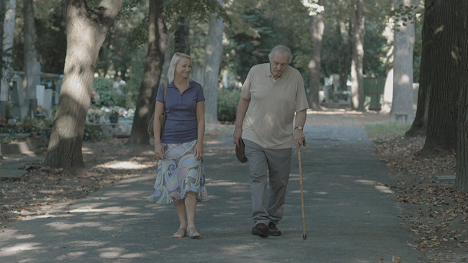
<point x="227" y="104"/>
<point x="91" y="134"/>
<point x="103" y="87"/>
<point x="109" y="97"/>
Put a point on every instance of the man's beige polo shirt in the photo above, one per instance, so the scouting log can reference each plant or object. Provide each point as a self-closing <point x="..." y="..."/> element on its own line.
<point x="270" y="116"/>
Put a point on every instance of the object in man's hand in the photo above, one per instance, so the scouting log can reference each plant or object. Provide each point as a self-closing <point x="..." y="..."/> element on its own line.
<point x="240" y="152"/>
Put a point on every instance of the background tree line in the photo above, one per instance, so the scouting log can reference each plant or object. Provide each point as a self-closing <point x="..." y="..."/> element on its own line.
<point x="353" y="38"/>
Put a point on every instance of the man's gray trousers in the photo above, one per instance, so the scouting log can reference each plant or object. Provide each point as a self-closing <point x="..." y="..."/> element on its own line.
<point x="278" y="163"/>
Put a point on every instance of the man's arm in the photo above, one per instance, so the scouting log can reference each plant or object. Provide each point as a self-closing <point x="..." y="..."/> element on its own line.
<point x="241" y="111"/>
<point x="299" y="137"/>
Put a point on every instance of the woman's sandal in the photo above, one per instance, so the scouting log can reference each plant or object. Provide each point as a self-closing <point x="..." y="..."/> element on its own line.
<point x="180" y="233"/>
<point x="192" y="232"/>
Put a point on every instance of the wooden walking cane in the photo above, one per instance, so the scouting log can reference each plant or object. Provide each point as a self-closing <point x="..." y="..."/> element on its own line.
<point x="304" y="236"/>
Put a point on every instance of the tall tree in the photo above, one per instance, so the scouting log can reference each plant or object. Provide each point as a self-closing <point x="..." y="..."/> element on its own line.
<point x="157" y="43"/>
<point x="30" y="54"/>
<point x="86" y="30"/>
<point x="403" y="65"/>
<point x="8" y="33"/>
<point x="213" y="48"/>
<point x="316" y="27"/>
<point x="2" y="16"/>
<point x="357" y="86"/>
<point x="459" y="21"/>
<point x="181" y="35"/>
<point x="444" y="78"/>
<point x="426" y="73"/>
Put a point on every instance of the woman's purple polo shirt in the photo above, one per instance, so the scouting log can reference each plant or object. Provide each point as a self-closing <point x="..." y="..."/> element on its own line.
<point x="181" y="123"/>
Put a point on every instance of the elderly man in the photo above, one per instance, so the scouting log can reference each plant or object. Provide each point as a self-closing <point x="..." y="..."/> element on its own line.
<point x="271" y="95"/>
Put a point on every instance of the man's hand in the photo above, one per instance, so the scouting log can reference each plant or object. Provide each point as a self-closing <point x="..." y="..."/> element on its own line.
<point x="237" y="136"/>
<point x="299" y="138"/>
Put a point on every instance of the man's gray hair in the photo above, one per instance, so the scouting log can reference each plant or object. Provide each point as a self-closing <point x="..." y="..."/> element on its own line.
<point x="281" y="49"/>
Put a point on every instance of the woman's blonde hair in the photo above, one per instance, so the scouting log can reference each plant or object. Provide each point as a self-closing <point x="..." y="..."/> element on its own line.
<point x="175" y="59"/>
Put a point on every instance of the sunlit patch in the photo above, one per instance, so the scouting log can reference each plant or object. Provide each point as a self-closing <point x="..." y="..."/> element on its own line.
<point x="25" y="236"/>
<point x="239" y="249"/>
<point x="133" y="255"/>
<point x="384" y="189"/>
<point x="87" y="150"/>
<point x="71" y="226"/>
<point x="14" y="249"/>
<point x="220" y="183"/>
<point x="366" y="182"/>
<point x="124" y="165"/>
<point x="112" y="252"/>
<point x="73" y="255"/>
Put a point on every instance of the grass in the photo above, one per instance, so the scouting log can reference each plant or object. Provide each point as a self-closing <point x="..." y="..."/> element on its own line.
<point x="386" y="129"/>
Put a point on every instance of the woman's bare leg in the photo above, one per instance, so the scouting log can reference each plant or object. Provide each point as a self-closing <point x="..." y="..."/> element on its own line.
<point x="180" y="208"/>
<point x="191" y="207"/>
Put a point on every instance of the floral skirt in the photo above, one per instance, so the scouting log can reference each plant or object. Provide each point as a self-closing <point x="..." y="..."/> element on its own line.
<point x="179" y="172"/>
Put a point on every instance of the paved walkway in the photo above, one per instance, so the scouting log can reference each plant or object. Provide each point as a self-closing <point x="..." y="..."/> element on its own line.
<point x="349" y="215"/>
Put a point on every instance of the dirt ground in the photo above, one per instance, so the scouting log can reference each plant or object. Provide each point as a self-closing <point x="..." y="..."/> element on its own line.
<point x="434" y="212"/>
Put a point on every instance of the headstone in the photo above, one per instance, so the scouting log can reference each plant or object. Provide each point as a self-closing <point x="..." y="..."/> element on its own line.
<point x="40" y="92"/>
<point x="47" y="106"/>
<point x="20" y="107"/>
<point x="34" y="78"/>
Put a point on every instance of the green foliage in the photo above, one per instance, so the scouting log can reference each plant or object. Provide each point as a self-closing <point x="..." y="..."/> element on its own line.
<point x="107" y="95"/>
<point x="245" y="51"/>
<point x="91" y="134"/>
<point x="374" y="53"/>
<point x="227" y="104"/>
<point x="28" y="125"/>
<point x="404" y="15"/>
<point x="11" y="138"/>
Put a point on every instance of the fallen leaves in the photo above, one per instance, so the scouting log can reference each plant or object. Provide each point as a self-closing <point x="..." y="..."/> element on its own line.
<point x="435" y="213"/>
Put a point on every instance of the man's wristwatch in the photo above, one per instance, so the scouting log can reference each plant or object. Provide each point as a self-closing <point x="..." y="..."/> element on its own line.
<point x="299" y="128"/>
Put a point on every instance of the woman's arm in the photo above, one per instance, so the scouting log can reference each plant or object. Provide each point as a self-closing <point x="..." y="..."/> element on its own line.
<point x="158" y="149"/>
<point x="201" y="129"/>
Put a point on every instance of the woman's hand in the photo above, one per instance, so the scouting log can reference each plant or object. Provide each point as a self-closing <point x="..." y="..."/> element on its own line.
<point x="198" y="151"/>
<point x="158" y="150"/>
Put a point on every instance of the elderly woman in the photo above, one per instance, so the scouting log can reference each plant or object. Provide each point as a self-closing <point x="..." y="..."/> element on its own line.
<point x="180" y="177"/>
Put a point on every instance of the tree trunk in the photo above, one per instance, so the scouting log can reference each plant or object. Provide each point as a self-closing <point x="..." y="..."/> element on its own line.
<point x="151" y="76"/>
<point x="346" y="60"/>
<point x="460" y="9"/>
<point x="8" y="33"/>
<point x="213" y="47"/>
<point x="428" y="64"/>
<point x="403" y="67"/>
<point x="30" y="54"/>
<point x="86" y="30"/>
<point x="357" y="86"/>
<point x="2" y="17"/>
<point x="444" y="78"/>
<point x="388" y="89"/>
<point x="181" y="35"/>
<point x="316" y="27"/>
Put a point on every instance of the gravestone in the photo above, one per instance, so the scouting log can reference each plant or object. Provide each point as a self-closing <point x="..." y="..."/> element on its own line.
<point x="20" y="105"/>
<point x="47" y="105"/>
<point x="40" y="92"/>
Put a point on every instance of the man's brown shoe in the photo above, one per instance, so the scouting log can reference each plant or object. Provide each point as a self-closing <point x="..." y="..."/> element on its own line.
<point x="261" y="230"/>
<point x="274" y="231"/>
